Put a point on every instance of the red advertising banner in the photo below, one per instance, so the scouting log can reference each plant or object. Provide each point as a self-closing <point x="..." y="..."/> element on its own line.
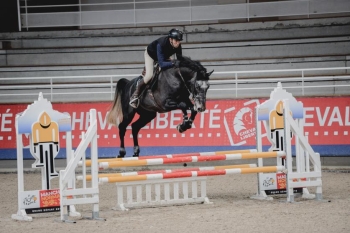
<point x="281" y="181"/>
<point x="49" y="198"/>
<point x="224" y="123"/>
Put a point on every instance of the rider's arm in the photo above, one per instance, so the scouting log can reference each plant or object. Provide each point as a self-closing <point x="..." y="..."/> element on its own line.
<point x="163" y="63"/>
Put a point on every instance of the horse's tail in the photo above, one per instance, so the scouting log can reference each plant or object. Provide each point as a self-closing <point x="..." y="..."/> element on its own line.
<point x="115" y="113"/>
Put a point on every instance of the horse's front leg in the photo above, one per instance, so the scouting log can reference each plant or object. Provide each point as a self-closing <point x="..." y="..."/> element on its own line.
<point x="193" y="114"/>
<point x="186" y="122"/>
<point x="184" y="106"/>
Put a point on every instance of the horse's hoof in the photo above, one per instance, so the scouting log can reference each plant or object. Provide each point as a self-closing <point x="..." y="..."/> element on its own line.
<point x="136" y="151"/>
<point x="178" y="127"/>
<point x="189" y="125"/>
<point x="122" y="152"/>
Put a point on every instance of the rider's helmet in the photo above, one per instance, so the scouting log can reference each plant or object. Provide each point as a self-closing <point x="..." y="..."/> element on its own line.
<point x="175" y="34"/>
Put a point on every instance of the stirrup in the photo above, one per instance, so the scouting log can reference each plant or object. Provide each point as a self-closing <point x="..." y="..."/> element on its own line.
<point x="134" y="102"/>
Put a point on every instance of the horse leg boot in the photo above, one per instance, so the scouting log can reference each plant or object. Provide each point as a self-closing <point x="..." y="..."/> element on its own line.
<point x="134" y="99"/>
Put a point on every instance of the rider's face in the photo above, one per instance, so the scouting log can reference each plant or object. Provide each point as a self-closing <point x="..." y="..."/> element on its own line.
<point x="175" y="43"/>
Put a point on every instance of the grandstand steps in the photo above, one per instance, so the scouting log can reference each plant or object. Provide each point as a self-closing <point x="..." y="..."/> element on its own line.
<point x="218" y="66"/>
<point x="206" y="52"/>
<point x="275" y="45"/>
<point x="209" y="33"/>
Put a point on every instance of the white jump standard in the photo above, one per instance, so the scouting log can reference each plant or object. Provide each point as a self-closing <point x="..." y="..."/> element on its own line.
<point x="283" y="113"/>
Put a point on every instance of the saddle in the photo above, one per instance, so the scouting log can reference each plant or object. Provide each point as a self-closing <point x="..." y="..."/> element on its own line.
<point x="152" y="85"/>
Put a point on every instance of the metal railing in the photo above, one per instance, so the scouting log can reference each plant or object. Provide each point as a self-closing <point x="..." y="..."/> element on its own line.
<point x="104" y="85"/>
<point x="302" y="79"/>
<point x="160" y="12"/>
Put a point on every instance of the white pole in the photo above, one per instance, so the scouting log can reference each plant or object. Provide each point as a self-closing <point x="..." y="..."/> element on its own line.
<point x="288" y="150"/>
<point x="94" y="162"/>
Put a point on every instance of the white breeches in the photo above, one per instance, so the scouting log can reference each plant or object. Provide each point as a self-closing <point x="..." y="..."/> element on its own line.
<point x="149" y="63"/>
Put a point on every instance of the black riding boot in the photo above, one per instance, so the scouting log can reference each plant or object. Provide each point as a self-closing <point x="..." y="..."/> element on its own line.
<point x="134" y="99"/>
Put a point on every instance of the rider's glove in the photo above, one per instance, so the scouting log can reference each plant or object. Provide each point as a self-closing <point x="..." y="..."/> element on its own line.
<point x="176" y="64"/>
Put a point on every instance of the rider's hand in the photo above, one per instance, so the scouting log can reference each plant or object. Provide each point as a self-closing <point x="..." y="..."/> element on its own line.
<point x="176" y="64"/>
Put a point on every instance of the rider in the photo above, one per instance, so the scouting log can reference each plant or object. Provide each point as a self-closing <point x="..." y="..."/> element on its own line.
<point x="159" y="50"/>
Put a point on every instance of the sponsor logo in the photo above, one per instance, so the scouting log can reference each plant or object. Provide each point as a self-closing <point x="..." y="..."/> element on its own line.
<point x="30" y="199"/>
<point x="240" y="123"/>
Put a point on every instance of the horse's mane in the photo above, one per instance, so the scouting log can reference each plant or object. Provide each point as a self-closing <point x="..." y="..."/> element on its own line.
<point x="192" y="65"/>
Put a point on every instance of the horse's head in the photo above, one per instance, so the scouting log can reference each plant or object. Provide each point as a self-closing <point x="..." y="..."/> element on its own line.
<point x="200" y="86"/>
<point x="199" y="82"/>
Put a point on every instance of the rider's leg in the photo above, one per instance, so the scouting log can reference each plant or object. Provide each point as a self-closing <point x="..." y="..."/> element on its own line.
<point x="134" y="99"/>
<point x="142" y="82"/>
<point x="149" y="67"/>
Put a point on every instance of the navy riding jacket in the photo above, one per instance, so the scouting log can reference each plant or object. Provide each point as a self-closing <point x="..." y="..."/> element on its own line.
<point x="160" y="50"/>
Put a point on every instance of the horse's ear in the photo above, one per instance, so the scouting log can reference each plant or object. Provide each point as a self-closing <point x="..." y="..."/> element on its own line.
<point x="210" y="73"/>
<point x="194" y="76"/>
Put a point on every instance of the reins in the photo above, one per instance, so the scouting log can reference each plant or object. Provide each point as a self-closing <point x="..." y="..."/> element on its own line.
<point x="191" y="93"/>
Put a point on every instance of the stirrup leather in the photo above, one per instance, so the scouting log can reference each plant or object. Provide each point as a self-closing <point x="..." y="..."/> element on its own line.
<point x="134" y="102"/>
<point x="134" y="99"/>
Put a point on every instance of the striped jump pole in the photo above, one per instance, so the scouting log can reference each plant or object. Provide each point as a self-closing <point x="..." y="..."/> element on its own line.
<point x="173" y="175"/>
<point x="190" y="159"/>
<point x="88" y="162"/>
<point x="135" y="173"/>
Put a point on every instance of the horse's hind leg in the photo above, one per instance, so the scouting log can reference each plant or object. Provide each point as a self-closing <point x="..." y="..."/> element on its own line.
<point x="122" y="129"/>
<point x="145" y="117"/>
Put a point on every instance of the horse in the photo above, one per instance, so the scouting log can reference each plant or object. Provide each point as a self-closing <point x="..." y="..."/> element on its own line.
<point x="183" y="87"/>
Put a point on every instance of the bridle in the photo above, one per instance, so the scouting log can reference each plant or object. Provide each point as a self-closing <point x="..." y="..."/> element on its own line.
<point x="192" y="96"/>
